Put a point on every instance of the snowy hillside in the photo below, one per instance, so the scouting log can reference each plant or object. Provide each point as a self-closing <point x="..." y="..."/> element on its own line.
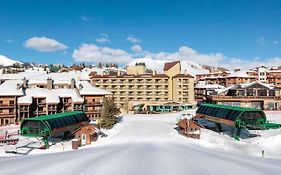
<point x="149" y="145"/>
<point x="7" y="61"/>
<point x="188" y="66"/>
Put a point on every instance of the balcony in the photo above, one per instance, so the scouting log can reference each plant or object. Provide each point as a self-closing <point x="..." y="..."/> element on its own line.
<point x="52" y="109"/>
<point x="93" y="112"/>
<point x="7" y="106"/>
<point x="23" y="109"/>
<point x="244" y="98"/>
<point x="93" y="104"/>
<point x="7" y="114"/>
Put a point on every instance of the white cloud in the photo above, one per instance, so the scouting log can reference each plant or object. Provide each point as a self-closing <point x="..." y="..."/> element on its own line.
<point x="102" y="40"/>
<point x="105" y="35"/>
<point x="247" y="64"/>
<point x="43" y="44"/>
<point x="133" y="39"/>
<point x="94" y="53"/>
<point x="275" y="42"/>
<point x="261" y="41"/>
<point x="9" y="41"/>
<point x="136" y="48"/>
<point x="187" y="53"/>
<point x="85" y="18"/>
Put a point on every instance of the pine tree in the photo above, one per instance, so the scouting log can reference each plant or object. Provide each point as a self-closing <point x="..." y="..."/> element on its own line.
<point x="108" y="117"/>
<point x="100" y="65"/>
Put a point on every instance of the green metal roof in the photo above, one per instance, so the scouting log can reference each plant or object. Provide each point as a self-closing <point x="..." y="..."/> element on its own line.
<point x="232" y="107"/>
<point x="53" y="116"/>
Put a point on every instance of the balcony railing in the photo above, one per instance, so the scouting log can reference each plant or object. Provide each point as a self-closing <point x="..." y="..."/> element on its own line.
<point x="93" y="103"/>
<point x="220" y="97"/>
<point x="7" y="106"/>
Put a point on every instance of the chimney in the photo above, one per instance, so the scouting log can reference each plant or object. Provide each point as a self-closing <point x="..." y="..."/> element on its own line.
<point x="80" y="86"/>
<point x="24" y="83"/>
<point x="185" y="72"/>
<point x="237" y="70"/>
<point x="72" y="85"/>
<point x="154" y="73"/>
<point x="49" y="84"/>
<point x="118" y="73"/>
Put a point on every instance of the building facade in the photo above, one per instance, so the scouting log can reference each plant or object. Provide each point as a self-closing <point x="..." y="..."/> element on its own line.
<point x="20" y="99"/>
<point x="253" y="95"/>
<point x="137" y="86"/>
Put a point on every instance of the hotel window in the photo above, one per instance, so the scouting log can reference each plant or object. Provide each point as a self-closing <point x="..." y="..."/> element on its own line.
<point x="1" y="102"/>
<point x="11" y="111"/>
<point x="1" y="110"/>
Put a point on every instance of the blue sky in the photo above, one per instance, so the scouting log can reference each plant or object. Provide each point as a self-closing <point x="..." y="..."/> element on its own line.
<point x="218" y="32"/>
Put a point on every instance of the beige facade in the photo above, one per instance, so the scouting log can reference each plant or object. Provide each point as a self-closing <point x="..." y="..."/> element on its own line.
<point x="138" y="69"/>
<point x="149" y="88"/>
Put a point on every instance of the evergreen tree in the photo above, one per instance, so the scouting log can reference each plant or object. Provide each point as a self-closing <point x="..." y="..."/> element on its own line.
<point x="108" y="117"/>
<point x="100" y="65"/>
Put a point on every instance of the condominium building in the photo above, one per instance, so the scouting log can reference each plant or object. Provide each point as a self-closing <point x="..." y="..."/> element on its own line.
<point x="254" y="95"/>
<point x="227" y="79"/>
<point x="138" y="86"/>
<point x="25" y="98"/>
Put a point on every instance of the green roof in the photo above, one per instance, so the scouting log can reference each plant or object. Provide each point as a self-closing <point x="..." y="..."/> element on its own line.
<point x="52" y="116"/>
<point x="232" y="107"/>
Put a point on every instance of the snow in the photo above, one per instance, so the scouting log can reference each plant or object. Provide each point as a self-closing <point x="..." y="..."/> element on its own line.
<point x="5" y="61"/>
<point x="209" y="86"/>
<point x="52" y="96"/>
<point x="85" y="88"/>
<point x="241" y="73"/>
<point x="39" y="92"/>
<point x="149" y="144"/>
<point x="189" y="67"/>
<point x="11" y="87"/>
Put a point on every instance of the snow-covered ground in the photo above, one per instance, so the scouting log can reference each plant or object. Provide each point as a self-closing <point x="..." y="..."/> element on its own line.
<point x="149" y="144"/>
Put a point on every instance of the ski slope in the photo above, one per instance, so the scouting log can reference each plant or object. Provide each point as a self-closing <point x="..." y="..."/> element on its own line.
<point x="145" y="145"/>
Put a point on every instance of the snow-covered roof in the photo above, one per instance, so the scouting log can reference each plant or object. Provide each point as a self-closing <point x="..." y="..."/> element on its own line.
<point x="52" y="96"/>
<point x="88" y="89"/>
<point x="39" y="92"/>
<point x="76" y="98"/>
<point x="245" y="85"/>
<point x="209" y="86"/>
<point x="42" y="75"/>
<point x="239" y="74"/>
<point x="11" y="88"/>
<point x="269" y="86"/>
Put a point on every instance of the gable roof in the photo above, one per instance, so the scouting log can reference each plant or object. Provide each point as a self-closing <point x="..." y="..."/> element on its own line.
<point x="185" y="123"/>
<point x="169" y="65"/>
<point x="183" y="75"/>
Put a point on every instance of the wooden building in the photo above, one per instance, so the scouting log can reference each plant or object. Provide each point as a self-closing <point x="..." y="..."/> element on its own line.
<point x="253" y="95"/>
<point x="189" y="128"/>
<point x="87" y="134"/>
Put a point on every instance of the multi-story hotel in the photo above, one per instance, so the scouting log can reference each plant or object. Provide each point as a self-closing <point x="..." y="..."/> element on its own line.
<point x="254" y="95"/>
<point x="261" y="74"/>
<point x="26" y="98"/>
<point x="227" y="79"/>
<point x="138" y="86"/>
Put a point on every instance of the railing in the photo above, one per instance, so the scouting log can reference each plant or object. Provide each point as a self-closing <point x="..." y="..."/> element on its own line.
<point x="93" y="103"/>
<point x="245" y="97"/>
<point x="7" y="105"/>
<point x="24" y="109"/>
